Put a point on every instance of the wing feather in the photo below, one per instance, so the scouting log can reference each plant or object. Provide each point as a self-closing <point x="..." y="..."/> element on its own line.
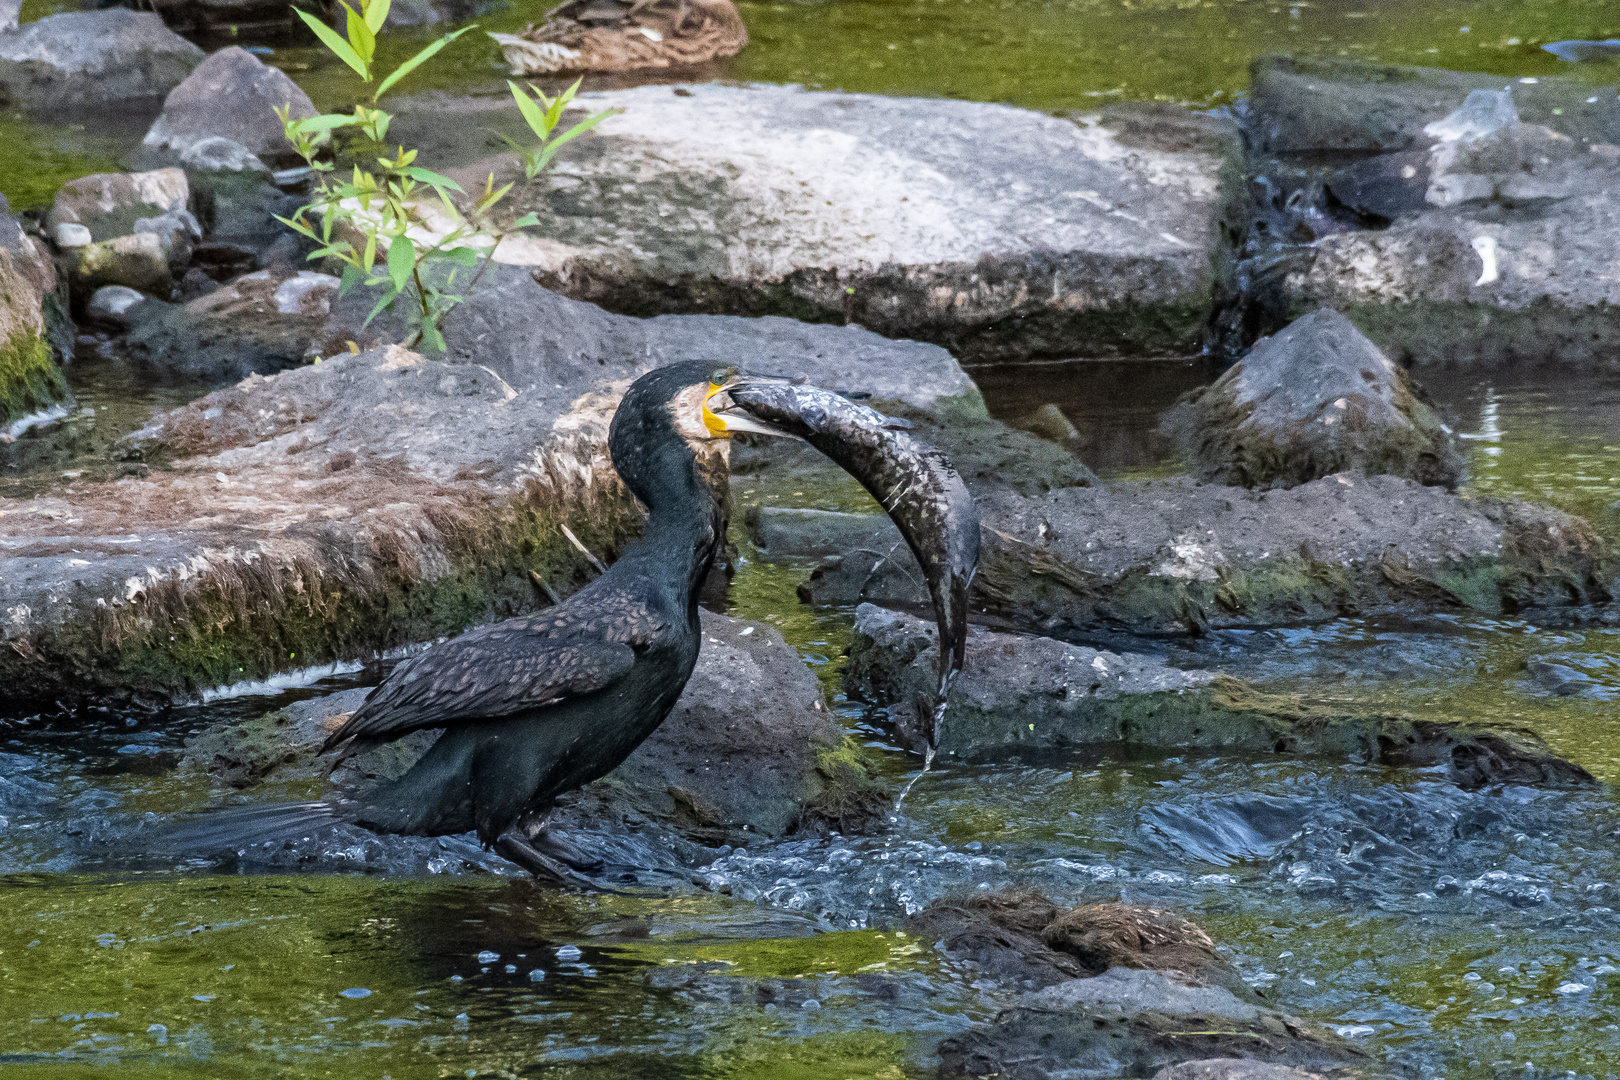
<point x="497" y="671"/>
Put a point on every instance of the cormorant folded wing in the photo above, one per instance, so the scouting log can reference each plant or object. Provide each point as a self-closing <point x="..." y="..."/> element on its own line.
<point x="452" y="683"/>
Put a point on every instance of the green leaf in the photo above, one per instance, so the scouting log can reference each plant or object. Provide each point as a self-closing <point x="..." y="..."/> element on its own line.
<point x="574" y="132"/>
<point x="532" y="114"/>
<point x="352" y="277"/>
<point x="428" y="176"/>
<point x="401" y="261"/>
<point x="388" y="297"/>
<point x="418" y="60"/>
<point x="330" y="39"/>
<point x="369" y="259"/>
<point x="432" y="340"/>
<point x="461" y="256"/>
<point x="527" y="221"/>
<point x="324" y="122"/>
<point x="377" y="14"/>
<point x="360" y="35"/>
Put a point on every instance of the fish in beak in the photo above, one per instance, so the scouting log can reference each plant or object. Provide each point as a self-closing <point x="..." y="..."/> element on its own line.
<point x="914" y="482"/>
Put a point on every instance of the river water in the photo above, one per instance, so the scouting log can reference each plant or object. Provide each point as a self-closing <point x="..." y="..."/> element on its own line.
<point x="1458" y="934"/>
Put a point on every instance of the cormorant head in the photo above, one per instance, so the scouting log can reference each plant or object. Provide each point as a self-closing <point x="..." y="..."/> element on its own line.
<point x="668" y="423"/>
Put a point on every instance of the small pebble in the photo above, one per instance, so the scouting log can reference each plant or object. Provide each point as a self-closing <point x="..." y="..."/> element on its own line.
<point x="487" y="957"/>
<point x="537" y="975"/>
<point x="511" y="969"/>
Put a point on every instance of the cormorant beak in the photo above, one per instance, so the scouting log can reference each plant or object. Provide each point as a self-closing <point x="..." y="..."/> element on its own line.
<point x="724" y="418"/>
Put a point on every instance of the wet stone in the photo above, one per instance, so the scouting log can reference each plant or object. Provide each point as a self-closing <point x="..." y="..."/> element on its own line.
<point x="1019" y="693"/>
<point x="254" y="548"/>
<point x="1316" y="399"/>
<point x="1462" y="219"/>
<point x="1128" y="1022"/>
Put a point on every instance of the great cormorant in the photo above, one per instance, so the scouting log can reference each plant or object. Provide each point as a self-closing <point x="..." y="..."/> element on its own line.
<point x="537" y="706"/>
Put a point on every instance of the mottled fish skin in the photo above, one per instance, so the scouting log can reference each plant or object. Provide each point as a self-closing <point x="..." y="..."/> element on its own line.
<point x="915" y="483"/>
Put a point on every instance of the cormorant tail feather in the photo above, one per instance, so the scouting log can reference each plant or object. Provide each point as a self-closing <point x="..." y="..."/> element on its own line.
<point x="238" y="827"/>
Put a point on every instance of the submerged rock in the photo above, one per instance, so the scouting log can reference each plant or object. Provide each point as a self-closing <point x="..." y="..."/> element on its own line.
<point x="89" y="57"/>
<point x="1022" y="939"/>
<point x="370" y="500"/>
<point x="1019" y="693"/>
<point x="1316" y="399"/>
<point x="1457" y="222"/>
<point x="1128" y="1022"/>
<point x="233" y="95"/>
<point x="995" y="231"/>
<point x="749" y="751"/>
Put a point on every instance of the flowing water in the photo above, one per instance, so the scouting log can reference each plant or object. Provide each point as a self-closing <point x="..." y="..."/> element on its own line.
<point x="1460" y="934"/>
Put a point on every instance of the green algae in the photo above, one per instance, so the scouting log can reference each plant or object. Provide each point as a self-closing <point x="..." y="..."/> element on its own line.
<point x="1058" y="55"/>
<point x="246" y="976"/>
<point x="29" y="378"/>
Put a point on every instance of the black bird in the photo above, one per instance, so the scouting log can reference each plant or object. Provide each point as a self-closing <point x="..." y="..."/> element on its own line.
<point x="537" y="706"/>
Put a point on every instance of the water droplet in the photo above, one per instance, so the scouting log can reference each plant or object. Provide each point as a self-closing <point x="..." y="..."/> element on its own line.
<point x="356" y="992"/>
<point x="159" y="1033"/>
<point x="568" y="954"/>
<point x="810" y="1004"/>
<point x="487" y="957"/>
<point x="537" y="975"/>
<point x="511" y="969"/>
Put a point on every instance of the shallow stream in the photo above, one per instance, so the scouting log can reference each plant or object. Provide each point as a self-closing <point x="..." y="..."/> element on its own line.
<point x="1459" y="934"/>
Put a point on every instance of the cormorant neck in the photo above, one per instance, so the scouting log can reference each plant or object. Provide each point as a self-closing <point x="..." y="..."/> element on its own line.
<point x="688" y="501"/>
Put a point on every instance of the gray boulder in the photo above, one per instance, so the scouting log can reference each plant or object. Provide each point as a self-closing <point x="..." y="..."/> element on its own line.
<point x="178" y="230"/>
<point x="1238" y="1069"/>
<point x="233" y="95"/>
<point x="9" y="10"/>
<point x="109" y="204"/>
<point x="1463" y="218"/>
<point x="258" y="323"/>
<point x="1316" y="399"/>
<point x="86" y="57"/>
<point x="998" y="232"/>
<point x="1128" y="1022"/>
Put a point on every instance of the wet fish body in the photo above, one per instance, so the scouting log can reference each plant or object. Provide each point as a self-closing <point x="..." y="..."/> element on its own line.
<point x="915" y="483"/>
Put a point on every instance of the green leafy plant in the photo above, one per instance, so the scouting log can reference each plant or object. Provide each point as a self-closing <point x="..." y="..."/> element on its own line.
<point x="542" y="114"/>
<point x="382" y="223"/>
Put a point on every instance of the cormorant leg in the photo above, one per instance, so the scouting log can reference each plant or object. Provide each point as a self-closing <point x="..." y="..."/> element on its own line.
<point x="534" y="827"/>
<point x="516" y="848"/>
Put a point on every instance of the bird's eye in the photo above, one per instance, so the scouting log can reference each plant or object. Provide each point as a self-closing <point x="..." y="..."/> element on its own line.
<point x="720" y="375"/>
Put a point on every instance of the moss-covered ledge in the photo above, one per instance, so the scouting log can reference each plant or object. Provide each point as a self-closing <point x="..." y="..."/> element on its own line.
<point x="1020" y="693"/>
<point x="30" y="381"/>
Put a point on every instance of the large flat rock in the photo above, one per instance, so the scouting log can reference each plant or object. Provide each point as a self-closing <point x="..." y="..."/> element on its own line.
<point x="1178" y="556"/>
<point x="372" y="500"/>
<point x="1452" y="229"/>
<point x="998" y="232"/>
